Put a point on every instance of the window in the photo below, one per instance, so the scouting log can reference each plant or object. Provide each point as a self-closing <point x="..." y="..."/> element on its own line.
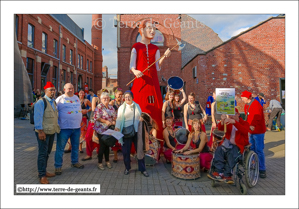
<point x="30" y="41"/>
<point x="158" y="40"/>
<point x="78" y="61"/>
<point x="71" y="57"/>
<point x="63" y="79"/>
<point x="90" y="66"/>
<point x="87" y="63"/>
<point x="194" y="72"/>
<point x="17" y="25"/>
<point x="44" y="42"/>
<point x="81" y="63"/>
<point x="87" y="81"/>
<point x="91" y="83"/>
<point x="54" y="78"/>
<point x="44" y="71"/>
<point x="64" y="52"/>
<point x="55" y="47"/>
<point x="71" y="77"/>
<point x="30" y="69"/>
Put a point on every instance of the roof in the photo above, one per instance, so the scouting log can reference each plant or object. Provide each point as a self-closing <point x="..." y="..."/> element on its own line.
<point x="234" y="37"/>
<point x="68" y="23"/>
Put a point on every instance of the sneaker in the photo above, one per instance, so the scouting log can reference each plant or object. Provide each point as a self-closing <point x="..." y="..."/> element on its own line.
<point x="100" y="166"/>
<point x="215" y="176"/>
<point x="228" y="180"/>
<point x="263" y="174"/>
<point x="108" y="165"/>
<point x="126" y="172"/>
<point x="278" y="129"/>
<point x="145" y="174"/>
<point x="58" y="171"/>
<point x="78" y="165"/>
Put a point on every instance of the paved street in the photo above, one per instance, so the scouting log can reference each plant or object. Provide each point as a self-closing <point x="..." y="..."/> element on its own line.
<point x="160" y="182"/>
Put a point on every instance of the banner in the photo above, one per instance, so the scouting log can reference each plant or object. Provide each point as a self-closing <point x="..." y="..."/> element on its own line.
<point x="225" y="101"/>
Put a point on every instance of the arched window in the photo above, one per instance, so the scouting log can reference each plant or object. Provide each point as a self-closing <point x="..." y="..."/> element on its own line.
<point x="158" y="40"/>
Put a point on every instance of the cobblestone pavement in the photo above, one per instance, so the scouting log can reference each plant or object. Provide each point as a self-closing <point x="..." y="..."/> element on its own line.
<point x="160" y="181"/>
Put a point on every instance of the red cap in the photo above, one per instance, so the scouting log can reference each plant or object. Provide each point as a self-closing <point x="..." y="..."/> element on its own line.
<point x="48" y="85"/>
<point x="236" y="110"/>
<point x="246" y="94"/>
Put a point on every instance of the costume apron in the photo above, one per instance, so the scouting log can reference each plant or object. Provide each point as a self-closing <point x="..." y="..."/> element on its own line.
<point x="146" y="90"/>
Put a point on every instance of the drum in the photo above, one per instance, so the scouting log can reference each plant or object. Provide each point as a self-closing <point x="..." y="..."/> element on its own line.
<point x="152" y="155"/>
<point x="181" y="135"/>
<point x="175" y="83"/>
<point x="185" y="166"/>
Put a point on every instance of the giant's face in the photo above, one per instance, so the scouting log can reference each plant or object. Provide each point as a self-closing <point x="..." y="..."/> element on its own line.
<point x="149" y="31"/>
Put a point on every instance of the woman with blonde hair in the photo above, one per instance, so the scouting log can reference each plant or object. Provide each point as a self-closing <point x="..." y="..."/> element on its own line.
<point x="197" y="140"/>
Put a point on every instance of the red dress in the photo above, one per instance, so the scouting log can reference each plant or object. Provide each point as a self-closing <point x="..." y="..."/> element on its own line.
<point x="146" y="90"/>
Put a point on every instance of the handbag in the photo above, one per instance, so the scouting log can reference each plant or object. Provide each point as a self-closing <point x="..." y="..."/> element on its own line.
<point x="109" y="140"/>
<point x="129" y="131"/>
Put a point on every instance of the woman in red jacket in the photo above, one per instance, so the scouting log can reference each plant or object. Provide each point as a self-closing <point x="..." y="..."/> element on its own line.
<point x="236" y="138"/>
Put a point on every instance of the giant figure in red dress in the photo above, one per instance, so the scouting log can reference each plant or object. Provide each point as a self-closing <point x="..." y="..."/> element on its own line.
<point x="146" y="88"/>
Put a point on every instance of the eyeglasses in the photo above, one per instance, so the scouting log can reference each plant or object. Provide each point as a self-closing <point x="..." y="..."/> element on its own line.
<point x="129" y="97"/>
<point x="105" y="98"/>
<point x="52" y="90"/>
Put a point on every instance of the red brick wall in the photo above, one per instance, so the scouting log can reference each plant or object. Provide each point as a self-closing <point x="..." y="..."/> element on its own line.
<point x="254" y="61"/>
<point x="86" y="50"/>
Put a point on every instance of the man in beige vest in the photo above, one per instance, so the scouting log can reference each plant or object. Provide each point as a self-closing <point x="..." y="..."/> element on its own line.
<point x="46" y="125"/>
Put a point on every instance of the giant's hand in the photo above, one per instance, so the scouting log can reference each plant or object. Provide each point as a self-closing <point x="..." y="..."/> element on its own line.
<point x="137" y="73"/>
<point x="167" y="53"/>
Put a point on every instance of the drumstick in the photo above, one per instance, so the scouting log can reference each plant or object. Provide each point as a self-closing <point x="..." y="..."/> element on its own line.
<point x="224" y="127"/>
<point x="152" y="64"/>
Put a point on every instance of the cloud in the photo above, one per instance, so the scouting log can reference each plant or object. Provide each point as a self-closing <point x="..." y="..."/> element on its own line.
<point x="239" y="31"/>
<point x="224" y="25"/>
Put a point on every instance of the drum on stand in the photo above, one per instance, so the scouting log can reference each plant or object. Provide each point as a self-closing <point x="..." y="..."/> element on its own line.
<point x="175" y="83"/>
<point x="185" y="166"/>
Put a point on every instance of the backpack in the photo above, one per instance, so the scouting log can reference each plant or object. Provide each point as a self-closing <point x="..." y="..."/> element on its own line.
<point x="32" y="110"/>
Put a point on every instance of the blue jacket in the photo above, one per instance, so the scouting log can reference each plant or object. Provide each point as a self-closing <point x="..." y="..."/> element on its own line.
<point x="262" y="102"/>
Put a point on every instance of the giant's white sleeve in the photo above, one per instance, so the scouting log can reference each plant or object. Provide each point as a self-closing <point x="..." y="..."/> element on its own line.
<point x="133" y="59"/>
<point x="157" y="57"/>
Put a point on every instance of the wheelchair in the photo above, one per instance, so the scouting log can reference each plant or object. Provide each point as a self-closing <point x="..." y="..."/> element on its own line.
<point x="247" y="165"/>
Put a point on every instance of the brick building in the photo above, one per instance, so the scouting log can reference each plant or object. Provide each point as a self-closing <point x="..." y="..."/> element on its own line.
<point x="171" y="27"/>
<point x="253" y="60"/>
<point x="55" y="42"/>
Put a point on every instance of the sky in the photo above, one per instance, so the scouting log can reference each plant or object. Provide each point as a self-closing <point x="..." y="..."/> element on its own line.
<point x="226" y="26"/>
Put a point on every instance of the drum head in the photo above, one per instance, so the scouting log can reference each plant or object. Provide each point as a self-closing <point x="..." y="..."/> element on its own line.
<point x="181" y="135"/>
<point x="175" y="83"/>
<point x="218" y="134"/>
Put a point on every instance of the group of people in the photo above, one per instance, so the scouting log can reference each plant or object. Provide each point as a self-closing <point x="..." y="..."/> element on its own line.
<point x="142" y="117"/>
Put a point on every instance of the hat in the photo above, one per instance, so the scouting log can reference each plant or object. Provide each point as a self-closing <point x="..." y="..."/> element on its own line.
<point x="246" y="94"/>
<point x="261" y="94"/>
<point x="129" y="92"/>
<point x="48" y="85"/>
<point x="236" y="110"/>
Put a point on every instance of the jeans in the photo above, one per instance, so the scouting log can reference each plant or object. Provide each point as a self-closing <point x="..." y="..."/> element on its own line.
<point x="275" y="112"/>
<point x="104" y="149"/>
<point x="257" y="141"/>
<point x="44" y="150"/>
<point x="126" y="148"/>
<point x="225" y="159"/>
<point x="62" y="137"/>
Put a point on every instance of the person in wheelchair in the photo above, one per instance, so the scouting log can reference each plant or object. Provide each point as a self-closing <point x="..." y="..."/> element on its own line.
<point x="231" y="148"/>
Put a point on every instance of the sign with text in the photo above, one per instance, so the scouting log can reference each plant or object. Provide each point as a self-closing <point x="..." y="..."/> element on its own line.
<point x="225" y="101"/>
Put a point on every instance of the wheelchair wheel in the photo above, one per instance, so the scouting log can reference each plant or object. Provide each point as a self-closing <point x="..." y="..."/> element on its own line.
<point x="235" y="174"/>
<point x="243" y="189"/>
<point x="251" y="168"/>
